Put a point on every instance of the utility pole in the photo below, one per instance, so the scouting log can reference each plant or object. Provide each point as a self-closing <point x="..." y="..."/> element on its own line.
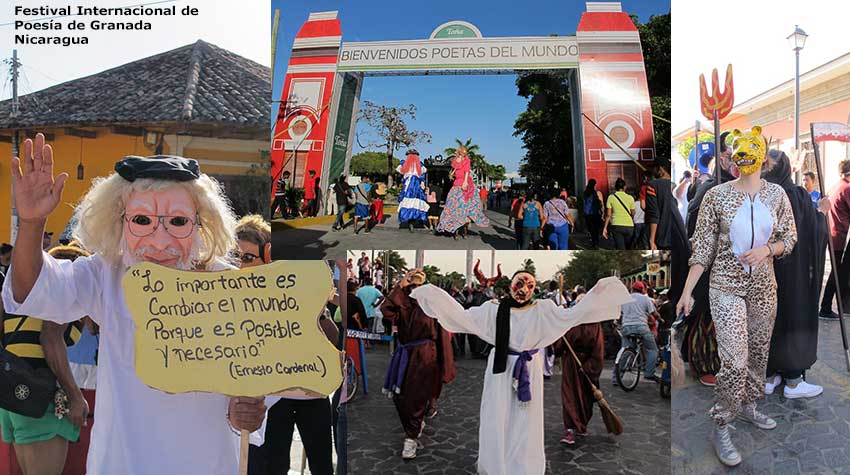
<point x="15" y="145"/>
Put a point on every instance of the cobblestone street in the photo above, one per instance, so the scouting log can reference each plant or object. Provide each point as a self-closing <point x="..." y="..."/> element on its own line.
<point x="451" y="438"/>
<point x="812" y="435"/>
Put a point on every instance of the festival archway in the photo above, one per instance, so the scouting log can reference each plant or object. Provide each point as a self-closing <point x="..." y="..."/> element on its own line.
<point x="604" y="63"/>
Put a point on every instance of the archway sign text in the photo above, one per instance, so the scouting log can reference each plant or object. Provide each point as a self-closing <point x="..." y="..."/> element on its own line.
<point x="461" y="54"/>
<point x="249" y="332"/>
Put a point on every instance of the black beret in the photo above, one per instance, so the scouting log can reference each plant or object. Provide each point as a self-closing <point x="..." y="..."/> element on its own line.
<point x="159" y="167"/>
<point x="5" y="247"/>
<point x="412" y="152"/>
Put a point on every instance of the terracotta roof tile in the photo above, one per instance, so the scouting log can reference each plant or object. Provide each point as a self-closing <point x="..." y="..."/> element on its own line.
<point x="196" y="84"/>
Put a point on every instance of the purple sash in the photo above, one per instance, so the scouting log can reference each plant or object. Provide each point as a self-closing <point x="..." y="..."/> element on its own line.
<point x="398" y="366"/>
<point x="521" y="382"/>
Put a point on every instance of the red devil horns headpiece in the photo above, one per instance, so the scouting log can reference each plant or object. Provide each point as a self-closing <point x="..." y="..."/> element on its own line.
<point x="484" y="281"/>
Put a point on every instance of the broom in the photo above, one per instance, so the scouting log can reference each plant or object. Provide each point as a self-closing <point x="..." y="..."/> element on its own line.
<point x="613" y="423"/>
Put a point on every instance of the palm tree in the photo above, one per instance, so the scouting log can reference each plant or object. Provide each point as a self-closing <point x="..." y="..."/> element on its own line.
<point x="528" y="266"/>
<point x="477" y="162"/>
<point x="396" y="265"/>
<point x="432" y="274"/>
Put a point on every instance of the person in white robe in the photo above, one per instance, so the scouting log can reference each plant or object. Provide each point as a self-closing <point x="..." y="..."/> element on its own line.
<point x="510" y="435"/>
<point x="156" y="209"/>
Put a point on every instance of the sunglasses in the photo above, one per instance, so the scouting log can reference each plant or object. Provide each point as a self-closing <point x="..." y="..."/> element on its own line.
<point x="246" y="257"/>
<point x="143" y="225"/>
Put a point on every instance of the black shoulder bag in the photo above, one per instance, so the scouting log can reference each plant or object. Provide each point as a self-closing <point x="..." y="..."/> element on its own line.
<point x="24" y="390"/>
<point x="628" y="213"/>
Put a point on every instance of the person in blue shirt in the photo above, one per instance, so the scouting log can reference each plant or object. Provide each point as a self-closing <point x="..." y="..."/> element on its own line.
<point x="371" y="298"/>
<point x="810" y="183"/>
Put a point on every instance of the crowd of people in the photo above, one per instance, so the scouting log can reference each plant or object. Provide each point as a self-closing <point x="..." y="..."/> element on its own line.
<point x="752" y="296"/>
<point x="433" y="327"/>
<point x="542" y="217"/>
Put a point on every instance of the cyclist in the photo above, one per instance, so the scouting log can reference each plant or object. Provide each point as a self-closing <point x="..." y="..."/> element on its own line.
<point x="636" y="317"/>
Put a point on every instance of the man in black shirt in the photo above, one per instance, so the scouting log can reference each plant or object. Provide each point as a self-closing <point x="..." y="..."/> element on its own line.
<point x="342" y="192"/>
<point x="662" y="214"/>
<point x="356" y="311"/>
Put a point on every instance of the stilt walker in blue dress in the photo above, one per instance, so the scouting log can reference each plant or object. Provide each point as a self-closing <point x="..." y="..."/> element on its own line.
<point x="412" y="205"/>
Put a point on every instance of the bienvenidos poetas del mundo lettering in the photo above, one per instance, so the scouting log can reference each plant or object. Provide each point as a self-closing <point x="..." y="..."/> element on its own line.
<point x="52" y="24"/>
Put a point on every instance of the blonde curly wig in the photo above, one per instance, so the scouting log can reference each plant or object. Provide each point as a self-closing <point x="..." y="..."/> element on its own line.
<point x="99" y="216"/>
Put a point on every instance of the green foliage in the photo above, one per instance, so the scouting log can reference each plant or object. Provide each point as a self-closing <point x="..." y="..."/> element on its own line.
<point x="396" y="264"/>
<point x="684" y="148"/>
<point x="528" y="266"/>
<point x="587" y="267"/>
<point x="655" y="41"/>
<point x="388" y="124"/>
<point x="545" y="128"/>
<point x="455" y="278"/>
<point x="661" y="129"/>
<point x="502" y="286"/>
<point x="480" y="167"/>
<point x="432" y="274"/>
<point x="372" y="164"/>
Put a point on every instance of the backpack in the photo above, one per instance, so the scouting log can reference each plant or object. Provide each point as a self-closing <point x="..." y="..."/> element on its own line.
<point x="591" y="205"/>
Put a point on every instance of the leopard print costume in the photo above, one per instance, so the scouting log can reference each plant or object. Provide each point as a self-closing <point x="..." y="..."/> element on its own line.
<point x="743" y="301"/>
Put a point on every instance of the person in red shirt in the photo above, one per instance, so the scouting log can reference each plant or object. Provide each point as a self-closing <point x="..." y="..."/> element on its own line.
<point x="839" y="198"/>
<point x="309" y="192"/>
<point x="516" y="205"/>
<point x="482" y="193"/>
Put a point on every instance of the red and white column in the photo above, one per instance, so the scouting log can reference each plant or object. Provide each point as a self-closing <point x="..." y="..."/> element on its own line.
<point x="614" y="94"/>
<point x="301" y="131"/>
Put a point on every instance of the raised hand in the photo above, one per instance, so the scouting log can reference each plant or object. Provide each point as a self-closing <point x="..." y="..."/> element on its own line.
<point x="37" y="191"/>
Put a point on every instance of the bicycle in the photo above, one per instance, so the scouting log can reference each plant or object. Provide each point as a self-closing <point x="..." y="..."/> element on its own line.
<point x="349" y="380"/>
<point x="629" y="364"/>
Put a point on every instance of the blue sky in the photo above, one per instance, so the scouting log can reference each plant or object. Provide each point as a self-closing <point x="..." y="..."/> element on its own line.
<point x="481" y="107"/>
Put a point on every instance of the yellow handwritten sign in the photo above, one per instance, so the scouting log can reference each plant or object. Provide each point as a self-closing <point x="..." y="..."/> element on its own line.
<point x="248" y="332"/>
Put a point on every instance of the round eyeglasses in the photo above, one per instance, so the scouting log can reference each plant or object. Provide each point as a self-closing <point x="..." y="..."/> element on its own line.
<point x="143" y="225"/>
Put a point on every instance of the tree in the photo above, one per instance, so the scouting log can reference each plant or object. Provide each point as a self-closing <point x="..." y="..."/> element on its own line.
<point x="396" y="265"/>
<point x="432" y="274"/>
<point x="528" y="266"/>
<point x="545" y="128"/>
<point x="684" y="148"/>
<point x="587" y="267"/>
<point x="455" y="278"/>
<point x="476" y="160"/>
<point x="655" y="42"/>
<point x="371" y="164"/>
<point x="499" y="173"/>
<point x="389" y="125"/>
<point x="502" y="286"/>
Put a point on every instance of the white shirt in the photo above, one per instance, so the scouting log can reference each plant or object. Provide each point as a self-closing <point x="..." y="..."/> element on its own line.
<point x="520" y="448"/>
<point x="137" y="429"/>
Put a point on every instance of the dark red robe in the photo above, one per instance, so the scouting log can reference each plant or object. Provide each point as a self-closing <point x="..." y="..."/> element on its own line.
<point x="431" y="364"/>
<point x="576" y="394"/>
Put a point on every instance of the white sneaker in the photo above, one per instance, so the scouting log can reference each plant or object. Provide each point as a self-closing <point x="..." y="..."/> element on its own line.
<point x="802" y="390"/>
<point x="409" y="450"/>
<point x="771" y="383"/>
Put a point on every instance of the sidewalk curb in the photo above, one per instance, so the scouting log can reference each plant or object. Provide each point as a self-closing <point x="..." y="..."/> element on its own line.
<point x="280" y="224"/>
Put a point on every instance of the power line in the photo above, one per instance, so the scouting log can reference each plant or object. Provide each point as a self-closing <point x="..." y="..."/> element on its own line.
<point x="45" y="75"/>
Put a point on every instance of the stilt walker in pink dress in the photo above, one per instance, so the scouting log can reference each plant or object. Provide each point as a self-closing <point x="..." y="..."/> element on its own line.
<point x="463" y="204"/>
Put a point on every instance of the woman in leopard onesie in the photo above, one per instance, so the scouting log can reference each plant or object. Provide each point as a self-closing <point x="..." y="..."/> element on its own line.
<point x="743" y="225"/>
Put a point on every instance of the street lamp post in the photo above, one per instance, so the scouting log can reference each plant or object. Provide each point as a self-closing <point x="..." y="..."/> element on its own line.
<point x="797" y="40"/>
